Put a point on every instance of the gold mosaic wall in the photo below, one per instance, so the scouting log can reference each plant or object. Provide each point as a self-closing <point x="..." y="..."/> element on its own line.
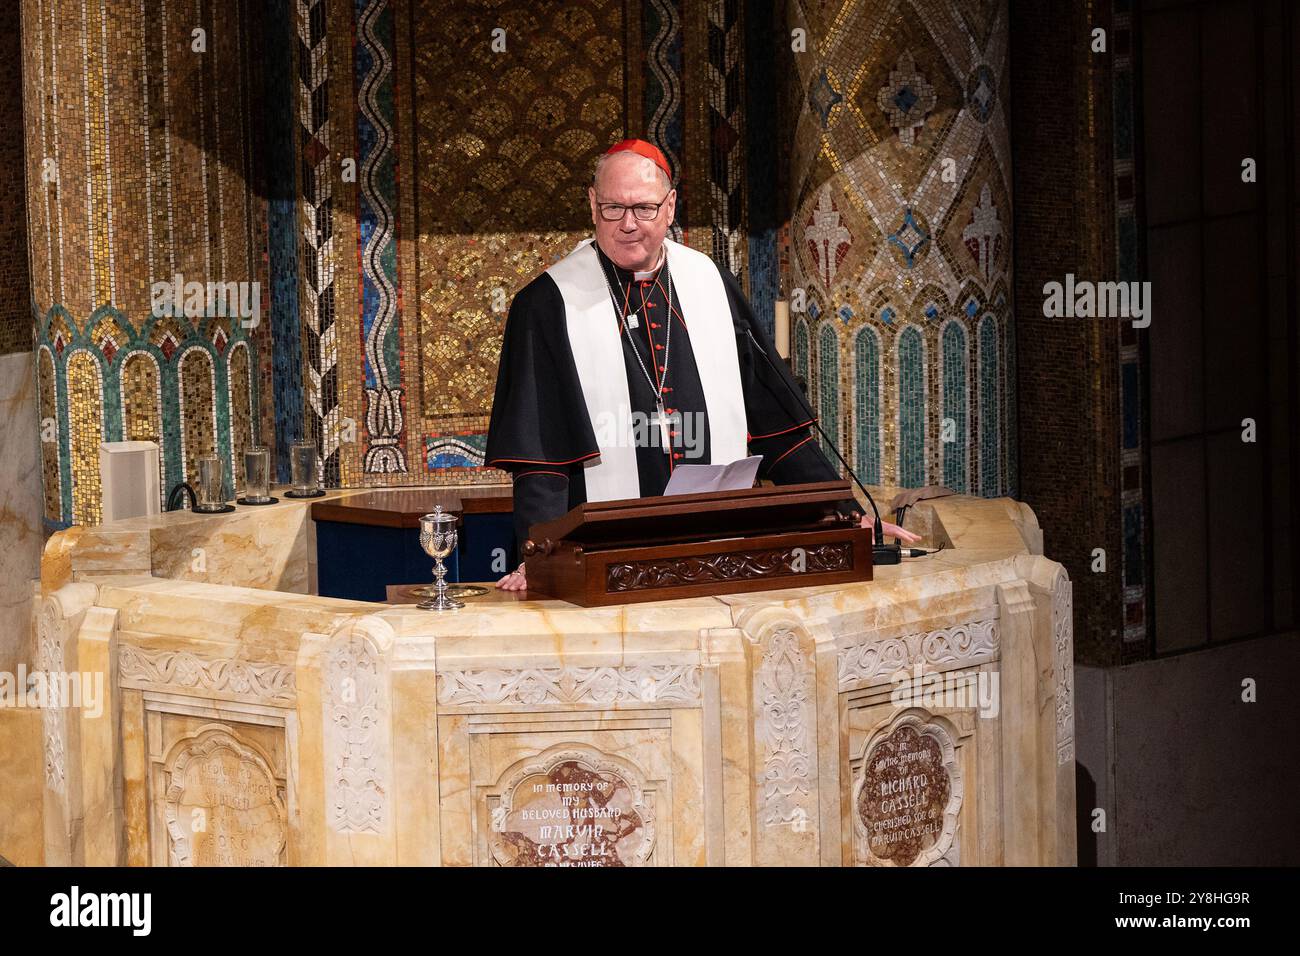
<point x="85" y="399"/>
<point x="49" y="426"/>
<point x="140" y="148"/>
<point x="15" y="288"/>
<point x="198" y="424"/>
<point x="240" y="404"/>
<point x="141" y="412"/>
<point x="503" y="150"/>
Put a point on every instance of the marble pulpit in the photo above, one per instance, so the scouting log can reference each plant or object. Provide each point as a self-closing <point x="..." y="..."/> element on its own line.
<point x="921" y="719"/>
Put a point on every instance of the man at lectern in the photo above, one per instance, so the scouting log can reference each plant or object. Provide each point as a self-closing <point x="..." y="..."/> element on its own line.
<point x="633" y="355"/>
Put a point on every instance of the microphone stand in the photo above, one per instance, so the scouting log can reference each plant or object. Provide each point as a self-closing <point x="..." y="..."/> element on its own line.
<point x="881" y="553"/>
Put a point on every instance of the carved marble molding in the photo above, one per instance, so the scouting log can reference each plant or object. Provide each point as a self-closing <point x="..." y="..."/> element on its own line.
<point x="356" y="735"/>
<point x="1063" y="648"/>
<point x="874" y="661"/>
<point x="51" y="633"/>
<point x="938" y="735"/>
<point x="633" y="683"/>
<point x="183" y="672"/>
<point x="201" y="805"/>
<point x="786" y="721"/>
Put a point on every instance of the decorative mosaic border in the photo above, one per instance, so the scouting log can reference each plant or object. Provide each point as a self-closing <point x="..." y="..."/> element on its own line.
<point x="378" y="288"/>
<point x="316" y="215"/>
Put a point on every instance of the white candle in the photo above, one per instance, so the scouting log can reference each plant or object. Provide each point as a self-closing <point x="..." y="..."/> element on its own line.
<point x="783" y="328"/>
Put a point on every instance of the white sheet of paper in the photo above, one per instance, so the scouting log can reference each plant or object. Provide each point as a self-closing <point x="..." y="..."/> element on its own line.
<point x="694" y="479"/>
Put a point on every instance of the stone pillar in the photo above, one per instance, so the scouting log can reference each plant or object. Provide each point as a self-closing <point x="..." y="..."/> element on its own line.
<point x="346" y="788"/>
<point x="900" y="239"/>
<point x="1038" y="798"/>
<point x="782" y="659"/>
<point x="58" y="621"/>
<point x="139" y="166"/>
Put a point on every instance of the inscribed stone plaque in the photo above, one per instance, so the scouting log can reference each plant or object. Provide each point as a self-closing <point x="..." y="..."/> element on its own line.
<point x="906" y="799"/>
<point x="577" y="807"/>
<point x="223" y="805"/>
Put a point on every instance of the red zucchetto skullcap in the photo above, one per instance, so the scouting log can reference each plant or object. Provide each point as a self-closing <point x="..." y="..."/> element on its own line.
<point x="648" y="150"/>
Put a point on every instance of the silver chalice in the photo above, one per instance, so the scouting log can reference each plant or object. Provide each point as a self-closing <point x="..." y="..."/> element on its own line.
<point x="438" y="539"/>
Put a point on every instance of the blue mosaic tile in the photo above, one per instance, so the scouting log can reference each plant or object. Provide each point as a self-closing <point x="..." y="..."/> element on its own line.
<point x="911" y="408"/>
<point x="990" y="478"/>
<point x="910" y="237"/>
<point x="866" y="405"/>
<point x="955" y="399"/>
<point x="828" y="385"/>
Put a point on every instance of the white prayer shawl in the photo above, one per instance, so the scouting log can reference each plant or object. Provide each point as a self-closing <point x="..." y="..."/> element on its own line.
<point x="593" y="329"/>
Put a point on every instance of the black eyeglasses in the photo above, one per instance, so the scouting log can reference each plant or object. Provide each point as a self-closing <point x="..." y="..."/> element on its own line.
<point x="645" y="211"/>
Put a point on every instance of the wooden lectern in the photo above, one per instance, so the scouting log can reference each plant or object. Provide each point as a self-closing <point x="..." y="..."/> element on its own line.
<point x="719" y="542"/>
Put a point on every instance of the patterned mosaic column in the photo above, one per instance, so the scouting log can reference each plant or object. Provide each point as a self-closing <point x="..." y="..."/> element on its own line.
<point x="900" y="238"/>
<point x="139" y="152"/>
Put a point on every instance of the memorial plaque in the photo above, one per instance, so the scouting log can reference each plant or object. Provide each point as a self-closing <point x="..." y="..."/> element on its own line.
<point x="574" y="808"/>
<point x="223" y="805"/>
<point x="906" y="801"/>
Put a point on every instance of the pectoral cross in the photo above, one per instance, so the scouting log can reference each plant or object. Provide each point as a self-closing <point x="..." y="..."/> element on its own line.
<point x="663" y="420"/>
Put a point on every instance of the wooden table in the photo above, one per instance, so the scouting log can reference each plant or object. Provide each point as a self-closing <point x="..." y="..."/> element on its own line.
<point x="402" y="508"/>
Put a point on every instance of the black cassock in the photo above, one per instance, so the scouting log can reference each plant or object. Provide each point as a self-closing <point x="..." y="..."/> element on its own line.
<point x="542" y="434"/>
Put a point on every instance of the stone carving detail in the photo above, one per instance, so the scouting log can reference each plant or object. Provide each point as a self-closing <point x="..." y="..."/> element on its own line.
<point x="49" y="660"/>
<point x="1063" y="645"/>
<point x="571" y="806"/>
<point x="907" y="795"/>
<point x="637" y="683"/>
<point x="355" y="725"/>
<point x="183" y="671"/>
<point x="222" y="804"/>
<point x="967" y="643"/>
<point x="708" y="568"/>
<point x="785" y="722"/>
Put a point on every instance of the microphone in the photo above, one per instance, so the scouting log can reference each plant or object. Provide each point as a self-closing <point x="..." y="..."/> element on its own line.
<point x="881" y="553"/>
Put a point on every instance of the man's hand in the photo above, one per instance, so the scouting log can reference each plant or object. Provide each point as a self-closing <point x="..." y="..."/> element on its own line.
<point x="516" y="581"/>
<point x="891" y="530"/>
